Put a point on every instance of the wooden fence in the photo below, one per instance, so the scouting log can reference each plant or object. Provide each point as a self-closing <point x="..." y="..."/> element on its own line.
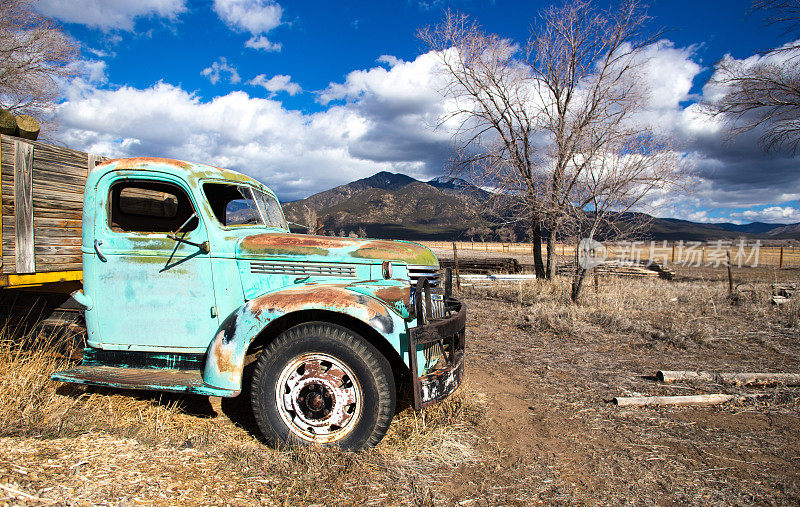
<point x="686" y="253"/>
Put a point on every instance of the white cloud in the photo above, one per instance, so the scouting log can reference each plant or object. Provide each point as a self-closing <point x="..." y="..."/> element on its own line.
<point x="404" y="83"/>
<point x="771" y="214"/>
<point x="275" y="84"/>
<point x="295" y="153"/>
<point x="702" y="216"/>
<point x="382" y="118"/>
<point x="220" y="67"/>
<point x="262" y="43"/>
<point x="93" y="71"/>
<point x="258" y="17"/>
<point x="669" y="73"/>
<point x="109" y="14"/>
<point x="389" y="60"/>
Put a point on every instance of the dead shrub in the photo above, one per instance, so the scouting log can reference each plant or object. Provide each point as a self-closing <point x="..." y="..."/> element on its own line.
<point x="793" y="312"/>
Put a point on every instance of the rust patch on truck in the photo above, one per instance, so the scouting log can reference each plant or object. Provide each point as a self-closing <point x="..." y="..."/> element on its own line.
<point x="392" y="294"/>
<point x="138" y="162"/>
<point x="292" y="244"/>
<point x="411" y="253"/>
<point x="224" y="353"/>
<point x="224" y="349"/>
<point x="330" y="297"/>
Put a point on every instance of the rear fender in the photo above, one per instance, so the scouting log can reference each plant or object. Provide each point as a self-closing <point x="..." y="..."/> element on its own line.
<point x="226" y="354"/>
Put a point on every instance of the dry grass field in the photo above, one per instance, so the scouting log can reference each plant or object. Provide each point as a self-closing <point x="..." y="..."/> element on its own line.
<point x="685" y="253"/>
<point x="532" y="425"/>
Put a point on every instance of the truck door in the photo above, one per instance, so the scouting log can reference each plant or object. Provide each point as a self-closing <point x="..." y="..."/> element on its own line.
<point x="151" y="291"/>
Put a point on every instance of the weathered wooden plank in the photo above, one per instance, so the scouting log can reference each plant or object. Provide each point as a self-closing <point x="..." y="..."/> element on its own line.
<point x="62" y="241"/>
<point x="6" y="183"/>
<point x="55" y="242"/>
<point x="91" y="161"/>
<point x="46" y="212"/>
<point x="1" y="213"/>
<point x="45" y="174"/>
<point x="23" y="204"/>
<point x="58" y="267"/>
<point x="55" y="259"/>
<point x="46" y="222"/>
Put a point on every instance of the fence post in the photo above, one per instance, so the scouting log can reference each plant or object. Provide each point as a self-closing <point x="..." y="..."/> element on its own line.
<point x="730" y="275"/>
<point x="673" y="253"/>
<point x="780" y="262"/>
<point x="455" y="262"/>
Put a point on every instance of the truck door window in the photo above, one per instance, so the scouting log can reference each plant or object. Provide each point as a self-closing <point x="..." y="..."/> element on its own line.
<point x="242" y="205"/>
<point x="146" y="206"/>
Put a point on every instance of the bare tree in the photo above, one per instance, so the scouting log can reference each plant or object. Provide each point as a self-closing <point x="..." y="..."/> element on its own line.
<point x="34" y="55"/>
<point x="310" y="219"/>
<point x="362" y="233"/>
<point x="614" y="183"/>
<point x="506" y="234"/>
<point x="484" y="232"/>
<point x="764" y="94"/>
<point x="524" y="114"/>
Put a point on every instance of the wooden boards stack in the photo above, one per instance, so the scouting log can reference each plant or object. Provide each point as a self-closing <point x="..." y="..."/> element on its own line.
<point x="484" y="266"/>
<point x="42" y="201"/>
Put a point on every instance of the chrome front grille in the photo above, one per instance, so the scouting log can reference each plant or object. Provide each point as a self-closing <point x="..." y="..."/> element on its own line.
<point x="429" y="272"/>
<point x="302" y="269"/>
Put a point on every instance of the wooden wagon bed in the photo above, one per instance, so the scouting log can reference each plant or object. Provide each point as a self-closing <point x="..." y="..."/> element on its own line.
<point x="42" y="201"/>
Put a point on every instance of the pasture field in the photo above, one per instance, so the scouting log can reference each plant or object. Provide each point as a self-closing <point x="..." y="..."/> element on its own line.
<point x="688" y="254"/>
<point x="533" y="423"/>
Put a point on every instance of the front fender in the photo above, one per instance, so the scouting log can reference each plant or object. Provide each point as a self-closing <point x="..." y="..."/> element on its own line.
<point x="226" y="354"/>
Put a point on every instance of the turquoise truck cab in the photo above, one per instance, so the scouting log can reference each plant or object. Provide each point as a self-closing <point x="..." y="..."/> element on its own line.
<point x="192" y="282"/>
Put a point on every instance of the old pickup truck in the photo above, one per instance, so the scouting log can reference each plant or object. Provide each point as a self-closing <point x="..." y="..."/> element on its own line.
<point x="192" y="282"/>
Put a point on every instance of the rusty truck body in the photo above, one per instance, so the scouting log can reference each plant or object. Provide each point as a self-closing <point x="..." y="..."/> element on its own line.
<point x="192" y="282"/>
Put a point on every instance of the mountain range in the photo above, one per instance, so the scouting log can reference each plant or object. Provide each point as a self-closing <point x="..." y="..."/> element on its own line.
<point x="389" y="205"/>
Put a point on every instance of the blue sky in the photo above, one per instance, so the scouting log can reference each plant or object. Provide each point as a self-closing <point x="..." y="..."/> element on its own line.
<point x="308" y="95"/>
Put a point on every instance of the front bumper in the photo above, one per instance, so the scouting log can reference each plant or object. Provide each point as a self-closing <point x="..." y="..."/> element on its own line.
<point x="448" y="330"/>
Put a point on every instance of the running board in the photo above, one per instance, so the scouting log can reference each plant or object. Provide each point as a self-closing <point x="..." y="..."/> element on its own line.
<point x="148" y="379"/>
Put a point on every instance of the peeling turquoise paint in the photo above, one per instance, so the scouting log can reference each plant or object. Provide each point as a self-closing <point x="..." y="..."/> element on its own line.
<point x="155" y="296"/>
<point x="226" y="354"/>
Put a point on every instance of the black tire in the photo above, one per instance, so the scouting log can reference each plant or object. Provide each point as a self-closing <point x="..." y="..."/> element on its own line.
<point x="303" y="352"/>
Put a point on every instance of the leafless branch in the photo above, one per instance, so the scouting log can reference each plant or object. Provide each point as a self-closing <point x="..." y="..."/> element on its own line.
<point x="34" y="55"/>
<point x="539" y="122"/>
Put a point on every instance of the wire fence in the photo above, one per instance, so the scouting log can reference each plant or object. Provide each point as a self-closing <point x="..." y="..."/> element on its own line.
<point x="682" y="253"/>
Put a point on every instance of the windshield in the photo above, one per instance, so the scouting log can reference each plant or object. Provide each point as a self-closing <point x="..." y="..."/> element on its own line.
<point x="235" y="205"/>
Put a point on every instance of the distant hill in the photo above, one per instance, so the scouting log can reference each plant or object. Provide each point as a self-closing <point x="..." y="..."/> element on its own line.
<point x="388" y="205"/>
<point x="785" y="231"/>
<point x="382" y="180"/>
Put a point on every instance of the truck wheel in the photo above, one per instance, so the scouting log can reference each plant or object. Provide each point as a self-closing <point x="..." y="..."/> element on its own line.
<point x="324" y="384"/>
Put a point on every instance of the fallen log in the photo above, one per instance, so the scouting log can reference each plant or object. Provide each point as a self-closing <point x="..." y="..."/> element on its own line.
<point x="678" y="375"/>
<point x="789" y="379"/>
<point x="497" y="278"/>
<point x="699" y="399"/>
<point x="28" y="127"/>
<point x="8" y="124"/>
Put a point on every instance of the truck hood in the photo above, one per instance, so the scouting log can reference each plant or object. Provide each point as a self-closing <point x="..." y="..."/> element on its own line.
<point x="299" y="247"/>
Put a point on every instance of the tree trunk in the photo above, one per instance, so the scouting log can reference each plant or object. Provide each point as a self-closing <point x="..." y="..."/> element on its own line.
<point x="577" y="283"/>
<point x="551" y="253"/>
<point x="536" y="239"/>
